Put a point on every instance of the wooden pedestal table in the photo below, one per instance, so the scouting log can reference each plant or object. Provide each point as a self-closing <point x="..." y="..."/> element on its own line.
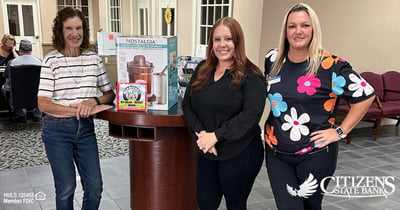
<point x="162" y="158"/>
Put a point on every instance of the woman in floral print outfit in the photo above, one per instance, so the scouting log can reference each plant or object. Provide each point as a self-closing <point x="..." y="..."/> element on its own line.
<point x="305" y="85"/>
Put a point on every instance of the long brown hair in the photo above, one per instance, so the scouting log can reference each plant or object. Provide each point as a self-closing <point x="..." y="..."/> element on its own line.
<point x="240" y="60"/>
<point x="58" y="23"/>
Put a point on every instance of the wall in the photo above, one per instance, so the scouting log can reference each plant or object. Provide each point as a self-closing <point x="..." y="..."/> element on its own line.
<point x="361" y="31"/>
<point x="48" y="11"/>
<point x="185" y="23"/>
<point x="99" y="18"/>
<point x="251" y="24"/>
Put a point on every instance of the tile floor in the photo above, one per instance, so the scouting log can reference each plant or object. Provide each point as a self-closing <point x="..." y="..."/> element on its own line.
<point x="364" y="157"/>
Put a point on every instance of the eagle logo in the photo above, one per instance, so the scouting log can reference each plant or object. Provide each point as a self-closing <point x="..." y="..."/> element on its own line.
<point x="306" y="189"/>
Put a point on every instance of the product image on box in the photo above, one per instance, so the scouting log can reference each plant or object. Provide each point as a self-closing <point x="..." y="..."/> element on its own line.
<point x="132" y="96"/>
<point x="141" y="70"/>
<point x="150" y="60"/>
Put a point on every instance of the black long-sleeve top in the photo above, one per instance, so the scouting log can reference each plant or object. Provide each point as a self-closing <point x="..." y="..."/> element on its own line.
<point x="233" y="113"/>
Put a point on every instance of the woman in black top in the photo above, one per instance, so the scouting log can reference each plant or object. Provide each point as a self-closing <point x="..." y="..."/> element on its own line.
<point x="223" y="105"/>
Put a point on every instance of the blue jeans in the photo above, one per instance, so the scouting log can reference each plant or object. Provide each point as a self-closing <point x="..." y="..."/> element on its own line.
<point x="68" y="141"/>
<point x="19" y="112"/>
<point x="22" y="112"/>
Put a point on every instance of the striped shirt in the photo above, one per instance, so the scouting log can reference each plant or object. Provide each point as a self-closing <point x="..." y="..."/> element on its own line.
<point x="71" y="80"/>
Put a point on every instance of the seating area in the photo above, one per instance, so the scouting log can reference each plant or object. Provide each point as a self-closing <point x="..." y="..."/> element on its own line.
<point x="386" y="103"/>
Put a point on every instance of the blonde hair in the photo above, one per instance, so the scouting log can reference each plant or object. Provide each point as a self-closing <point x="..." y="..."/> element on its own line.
<point x="315" y="47"/>
<point x="8" y="37"/>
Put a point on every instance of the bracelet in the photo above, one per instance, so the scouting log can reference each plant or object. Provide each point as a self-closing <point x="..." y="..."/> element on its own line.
<point x="97" y="100"/>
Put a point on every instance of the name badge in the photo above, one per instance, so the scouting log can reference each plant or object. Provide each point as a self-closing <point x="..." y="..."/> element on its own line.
<point x="274" y="80"/>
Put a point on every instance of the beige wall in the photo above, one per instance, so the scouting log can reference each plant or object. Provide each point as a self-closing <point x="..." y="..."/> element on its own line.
<point x="98" y="16"/>
<point x="364" y="32"/>
<point x="251" y="23"/>
<point x="129" y="16"/>
<point x="185" y="26"/>
<point x="48" y="11"/>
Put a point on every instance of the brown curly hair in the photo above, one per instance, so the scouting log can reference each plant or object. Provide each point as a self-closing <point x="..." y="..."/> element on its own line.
<point x="58" y="23"/>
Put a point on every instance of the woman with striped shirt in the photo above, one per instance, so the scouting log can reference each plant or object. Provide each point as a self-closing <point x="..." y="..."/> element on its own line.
<point x="71" y="79"/>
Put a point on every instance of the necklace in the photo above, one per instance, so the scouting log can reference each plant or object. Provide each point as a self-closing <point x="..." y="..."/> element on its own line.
<point x="76" y="75"/>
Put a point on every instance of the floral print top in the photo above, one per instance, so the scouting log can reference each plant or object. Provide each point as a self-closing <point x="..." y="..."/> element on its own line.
<point x="302" y="103"/>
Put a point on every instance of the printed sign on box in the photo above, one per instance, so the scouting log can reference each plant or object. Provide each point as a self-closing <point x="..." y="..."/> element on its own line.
<point x="131" y="96"/>
<point x="151" y="60"/>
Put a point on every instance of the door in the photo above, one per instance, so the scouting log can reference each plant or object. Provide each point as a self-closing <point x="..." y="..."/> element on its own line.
<point x="21" y="20"/>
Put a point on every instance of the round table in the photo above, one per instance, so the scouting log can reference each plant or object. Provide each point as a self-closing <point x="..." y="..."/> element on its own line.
<point x="162" y="157"/>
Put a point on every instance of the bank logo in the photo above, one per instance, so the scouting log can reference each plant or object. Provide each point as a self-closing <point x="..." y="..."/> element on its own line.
<point x="306" y="189"/>
<point x="346" y="186"/>
<point x="358" y="186"/>
<point x="40" y="196"/>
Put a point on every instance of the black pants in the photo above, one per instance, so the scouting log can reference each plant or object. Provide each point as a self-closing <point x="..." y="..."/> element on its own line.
<point x="287" y="172"/>
<point x="232" y="178"/>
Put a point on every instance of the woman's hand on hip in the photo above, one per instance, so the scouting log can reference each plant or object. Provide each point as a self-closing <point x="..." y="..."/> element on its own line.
<point x="324" y="137"/>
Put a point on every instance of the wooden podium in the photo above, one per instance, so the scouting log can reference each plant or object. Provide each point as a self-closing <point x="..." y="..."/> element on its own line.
<point x="162" y="157"/>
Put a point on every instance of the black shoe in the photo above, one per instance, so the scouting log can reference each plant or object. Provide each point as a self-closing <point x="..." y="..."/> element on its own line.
<point x="21" y="119"/>
<point x="36" y="119"/>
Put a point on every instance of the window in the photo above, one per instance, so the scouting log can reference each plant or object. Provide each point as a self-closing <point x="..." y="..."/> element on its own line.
<point x="13" y="20"/>
<point x="83" y="5"/>
<point x="20" y="20"/>
<point x="143" y="17"/>
<point x="210" y="11"/>
<point x="27" y="19"/>
<point x="115" y="16"/>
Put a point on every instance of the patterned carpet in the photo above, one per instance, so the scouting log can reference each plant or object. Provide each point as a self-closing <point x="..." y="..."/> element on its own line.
<point x="21" y="144"/>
